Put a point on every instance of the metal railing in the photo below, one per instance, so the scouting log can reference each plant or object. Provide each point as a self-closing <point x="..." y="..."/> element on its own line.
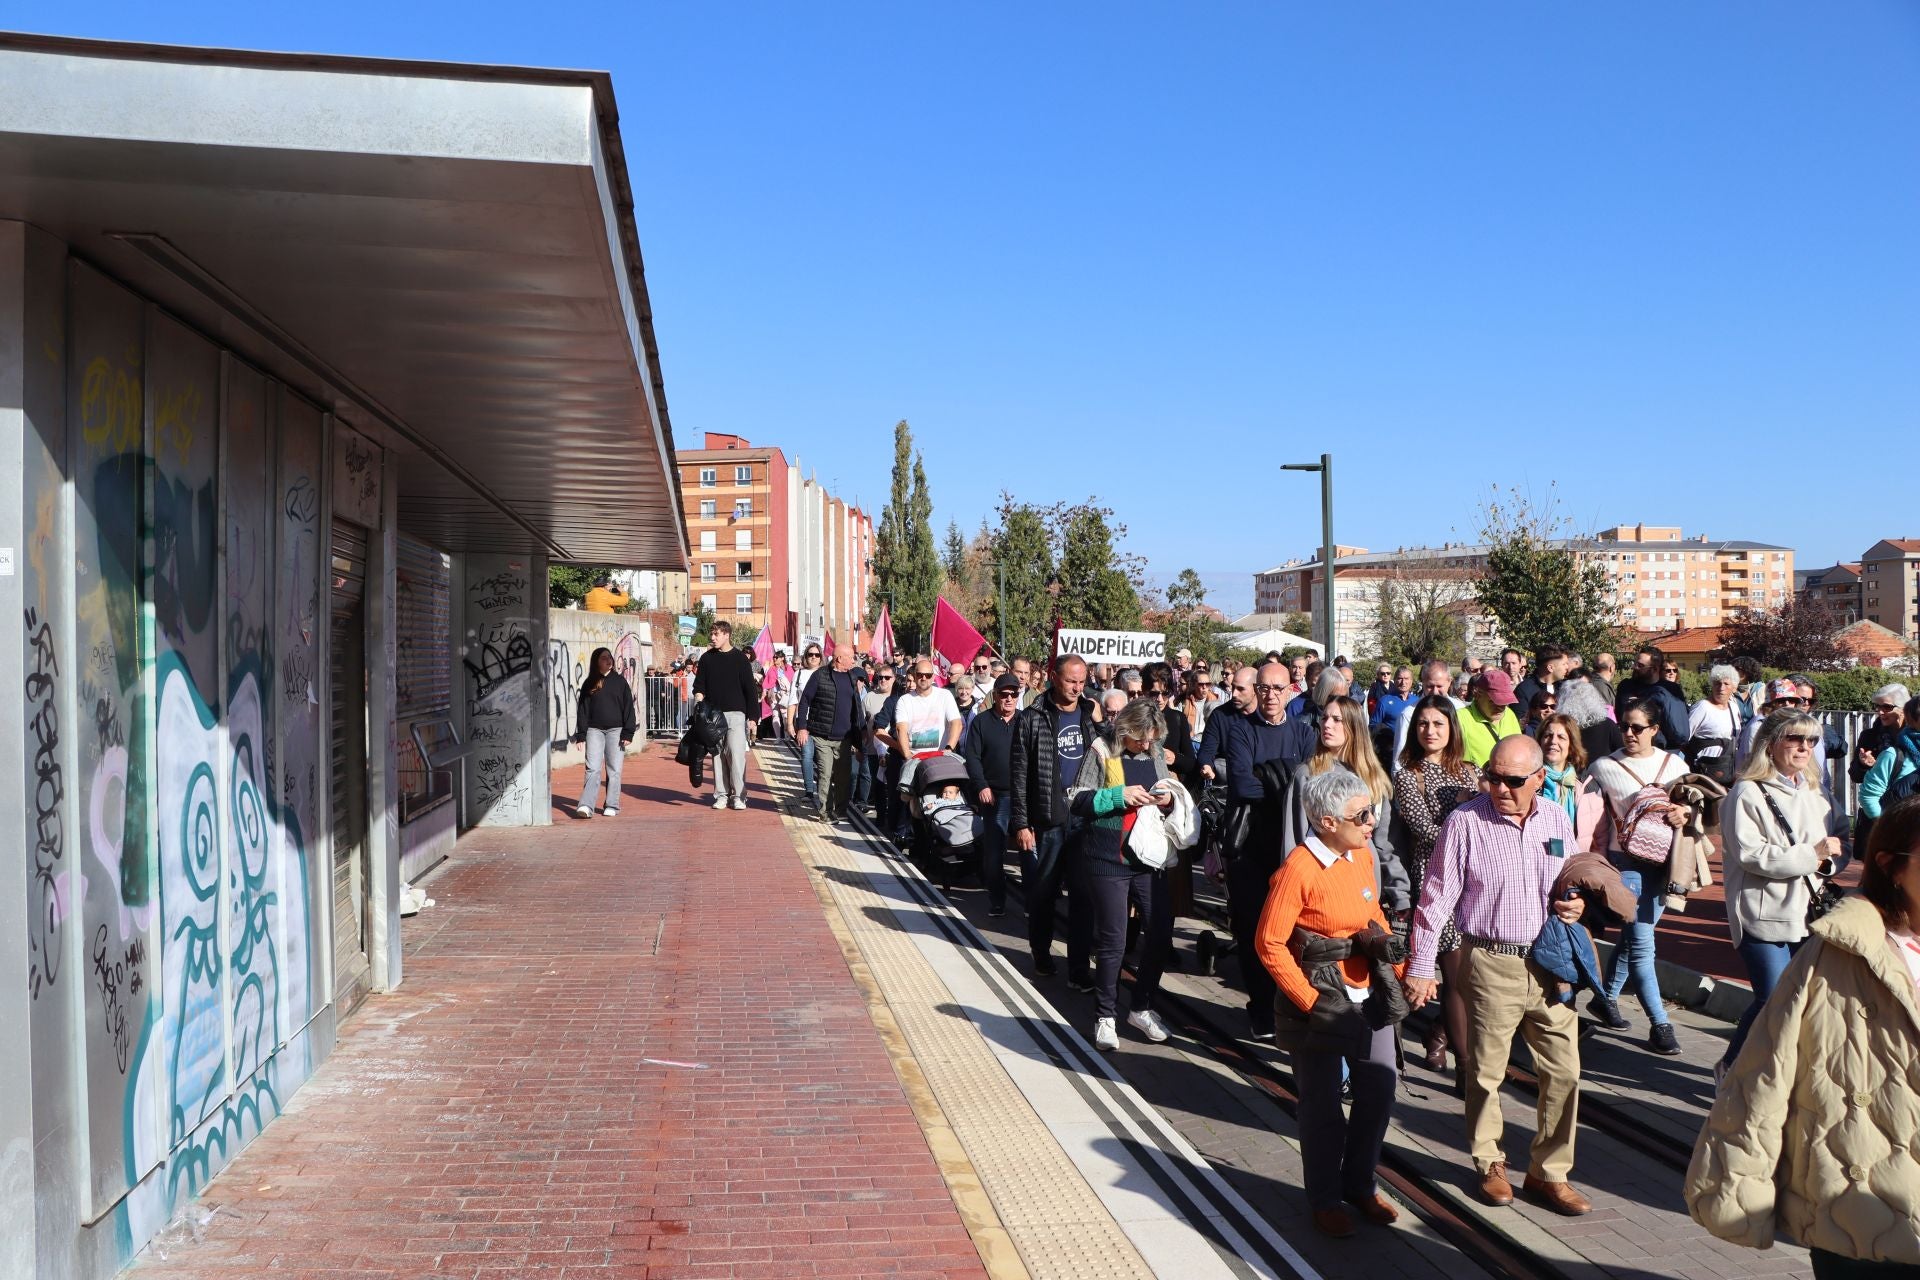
<point x="665" y="709"/>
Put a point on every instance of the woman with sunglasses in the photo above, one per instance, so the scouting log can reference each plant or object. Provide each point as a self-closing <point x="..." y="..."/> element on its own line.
<point x="1897" y="761"/>
<point x="1344" y="744"/>
<point x="1810" y="1135"/>
<point x="1782" y="840"/>
<point x="1621" y="778"/>
<point x="1434" y="780"/>
<point x="1339" y="1012"/>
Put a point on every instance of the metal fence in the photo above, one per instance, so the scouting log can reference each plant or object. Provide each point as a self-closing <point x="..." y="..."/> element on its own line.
<point x="1850" y="725"/>
<point x="665" y="707"/>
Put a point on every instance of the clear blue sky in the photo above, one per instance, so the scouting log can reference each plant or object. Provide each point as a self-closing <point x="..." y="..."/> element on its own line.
<point x="1667" y="255"/>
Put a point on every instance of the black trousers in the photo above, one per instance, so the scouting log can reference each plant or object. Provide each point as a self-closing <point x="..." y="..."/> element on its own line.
<point x="1109" y="897"/>
<point x="1248" y="877"/>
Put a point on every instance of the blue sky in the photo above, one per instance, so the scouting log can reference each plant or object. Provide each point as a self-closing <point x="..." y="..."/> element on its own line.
<point x="1667" y="256"/>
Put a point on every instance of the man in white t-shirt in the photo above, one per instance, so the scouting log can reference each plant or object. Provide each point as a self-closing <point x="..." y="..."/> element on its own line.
<point x="925" y="719"/>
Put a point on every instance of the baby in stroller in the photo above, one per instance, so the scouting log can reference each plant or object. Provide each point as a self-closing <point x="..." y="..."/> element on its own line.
<point x="946" y="826"/>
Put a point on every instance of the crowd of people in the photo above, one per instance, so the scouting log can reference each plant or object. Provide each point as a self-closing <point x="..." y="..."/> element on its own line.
<point x="1439" y="849"/>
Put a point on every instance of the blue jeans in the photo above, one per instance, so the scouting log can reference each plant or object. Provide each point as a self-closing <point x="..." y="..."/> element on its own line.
<point x="603" y="751"/>
<point x="806" y="769"/>
<point x="1634" y="956"/>
<point x="1765" y="962"/>
<point x="993" y="850"/>
<point x="862" y="776"/>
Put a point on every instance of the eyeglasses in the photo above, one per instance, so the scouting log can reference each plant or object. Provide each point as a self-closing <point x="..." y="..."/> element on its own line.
<point x="1155" y="693"/>
<point x="1548" y="706"/>
<point x="1788" y="702"/>
<point x="1885" y="708"/>
<point x="1807" y="740"/>
<point x="1272" y="688"/>
<point x="883" y="677"/>
<point x="981" y="668"/>
<point x="1007" y="693"/>
<point x="1511" y="781"/>
<point x="1636" y="728"/>
<point x="1364" y="818"/>
<point x="811" y="657"/>
<point x="923" y="675"/>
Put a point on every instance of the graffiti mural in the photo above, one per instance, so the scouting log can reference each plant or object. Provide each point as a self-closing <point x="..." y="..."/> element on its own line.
<point x="498" y="663"/>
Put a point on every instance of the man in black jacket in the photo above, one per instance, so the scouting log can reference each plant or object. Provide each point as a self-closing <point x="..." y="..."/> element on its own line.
<point x="725" y="680"/>
<point x="987" y="747"/>
<point x="1049" y="740"/>
<point x="833" y="716"/>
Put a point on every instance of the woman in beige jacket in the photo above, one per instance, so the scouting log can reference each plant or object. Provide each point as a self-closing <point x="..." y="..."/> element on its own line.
<point x="1815" y="1131"/>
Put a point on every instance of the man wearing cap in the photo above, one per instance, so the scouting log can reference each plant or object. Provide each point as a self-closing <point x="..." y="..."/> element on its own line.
<point x="987" y="746"/>
<point x="1488" y="716"/>
<point x="1183" y="663"/>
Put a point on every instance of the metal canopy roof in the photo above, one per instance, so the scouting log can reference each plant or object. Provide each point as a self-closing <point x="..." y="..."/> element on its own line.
<point x="442" y="254"/>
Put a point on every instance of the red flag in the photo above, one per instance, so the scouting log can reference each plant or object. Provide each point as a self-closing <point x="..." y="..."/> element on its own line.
<point x="883" y="637"/>
<point x="954" y="638"/>
<point x="826" y="646"/>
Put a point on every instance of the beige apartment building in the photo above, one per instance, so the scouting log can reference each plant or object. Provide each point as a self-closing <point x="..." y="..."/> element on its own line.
<point x="1662" y="581"/>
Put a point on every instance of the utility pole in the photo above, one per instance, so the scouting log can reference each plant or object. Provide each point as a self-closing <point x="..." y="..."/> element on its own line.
<point x="1325" y="468"/>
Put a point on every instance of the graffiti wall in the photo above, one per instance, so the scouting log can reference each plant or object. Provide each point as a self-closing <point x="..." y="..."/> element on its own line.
<point x="173" y="743"/>
<point x="503" y="699"/>
<point x="572" y="636"/>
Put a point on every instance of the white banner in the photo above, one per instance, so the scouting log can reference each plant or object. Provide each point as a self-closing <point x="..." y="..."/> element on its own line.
<point x="1122" y="648"/>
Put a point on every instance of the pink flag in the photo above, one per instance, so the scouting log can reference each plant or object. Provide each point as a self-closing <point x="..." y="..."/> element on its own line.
<point x="953" y="636"/>
<point x="883" y="637"/>
<point x="763" y="645"/>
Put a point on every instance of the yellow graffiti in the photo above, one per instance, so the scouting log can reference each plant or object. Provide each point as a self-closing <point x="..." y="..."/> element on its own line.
<point x="173" y="421"/>
<point x="109" y="407"/>
<point x="38" y="543"/>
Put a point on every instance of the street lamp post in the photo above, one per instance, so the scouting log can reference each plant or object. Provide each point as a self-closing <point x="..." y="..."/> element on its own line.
<point x="1325" y="468"/>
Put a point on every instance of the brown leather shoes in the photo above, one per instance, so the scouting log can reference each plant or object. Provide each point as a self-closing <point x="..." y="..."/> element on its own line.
<point x="1557" y="1196"/>
<point x="1494" y="1187"/>
<point x="1337" y="1223"/>
<point x="1377" y="1210"/>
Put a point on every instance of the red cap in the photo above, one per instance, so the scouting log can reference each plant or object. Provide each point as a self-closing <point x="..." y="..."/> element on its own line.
<point x="1499" y="687"/>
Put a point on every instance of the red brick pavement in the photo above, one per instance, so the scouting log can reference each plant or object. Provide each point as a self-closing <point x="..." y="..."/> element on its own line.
<point x="1697" y="939"/>
<point x="494" y="1118"/>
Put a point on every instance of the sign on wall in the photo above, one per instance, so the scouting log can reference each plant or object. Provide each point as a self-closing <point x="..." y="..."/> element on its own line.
<point x="1123" y="648"/>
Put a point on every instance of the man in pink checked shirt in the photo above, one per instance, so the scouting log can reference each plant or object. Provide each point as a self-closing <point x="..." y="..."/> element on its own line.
<point x="1492" y="873"/>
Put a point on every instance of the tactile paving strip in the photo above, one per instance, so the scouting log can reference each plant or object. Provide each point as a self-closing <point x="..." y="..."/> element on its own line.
<point x="1055" y="1219"/>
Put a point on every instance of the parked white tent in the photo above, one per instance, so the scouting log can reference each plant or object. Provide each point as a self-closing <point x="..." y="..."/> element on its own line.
<point x="1271" y="638"/>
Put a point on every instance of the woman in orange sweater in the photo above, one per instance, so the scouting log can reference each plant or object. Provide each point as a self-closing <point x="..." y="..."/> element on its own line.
<point x="1337" y="965"/>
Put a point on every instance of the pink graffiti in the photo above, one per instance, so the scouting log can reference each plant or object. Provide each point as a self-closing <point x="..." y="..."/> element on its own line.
<point x="105" y="832"/>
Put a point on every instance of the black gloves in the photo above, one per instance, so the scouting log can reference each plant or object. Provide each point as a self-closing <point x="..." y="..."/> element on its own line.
<point x="1379" y="946"/>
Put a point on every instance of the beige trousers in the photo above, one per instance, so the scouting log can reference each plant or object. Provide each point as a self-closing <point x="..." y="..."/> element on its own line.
<point x="1504" y="994"/>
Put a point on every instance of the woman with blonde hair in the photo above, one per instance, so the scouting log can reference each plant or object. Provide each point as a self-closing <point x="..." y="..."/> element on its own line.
<point x="1344" y="744"/>
<point x="1782" y="844"/>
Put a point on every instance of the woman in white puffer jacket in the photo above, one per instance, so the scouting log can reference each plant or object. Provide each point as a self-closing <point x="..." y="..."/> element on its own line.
<point x="1815" y="1134"/>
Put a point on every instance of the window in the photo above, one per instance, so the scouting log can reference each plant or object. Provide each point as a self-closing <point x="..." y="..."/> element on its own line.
<point x="743" y="475"/>
<point x="706" y="573"/>
<point x="708" y="477"/>
<point x="743" y="539"/>
<point x="708" y="508"/>
<point x="709" y="603"/>
<point x="743" y="570"/>
<point x="742" y="508"/>
<point x="708" y="540"/>
<point x="743" y="603"/>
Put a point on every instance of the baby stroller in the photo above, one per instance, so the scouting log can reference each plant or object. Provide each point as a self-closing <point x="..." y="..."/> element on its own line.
<point x="945" y="829"/>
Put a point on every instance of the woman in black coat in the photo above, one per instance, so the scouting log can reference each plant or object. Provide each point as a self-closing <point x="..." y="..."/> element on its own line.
<point x="606" y="726"/>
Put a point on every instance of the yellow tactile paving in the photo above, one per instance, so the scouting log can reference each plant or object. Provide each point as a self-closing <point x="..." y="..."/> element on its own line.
<point x="1038" y="1197"/>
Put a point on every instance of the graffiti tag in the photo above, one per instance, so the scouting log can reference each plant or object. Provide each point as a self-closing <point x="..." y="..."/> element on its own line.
<point x="49" y="791"/>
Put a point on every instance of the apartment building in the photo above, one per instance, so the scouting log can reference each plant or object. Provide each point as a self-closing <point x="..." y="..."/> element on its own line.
<point x="1890" y="585"/>
<point x="1837" y="587"/>
<point x="1661" y="581"/>
<point x="769" y="546"/>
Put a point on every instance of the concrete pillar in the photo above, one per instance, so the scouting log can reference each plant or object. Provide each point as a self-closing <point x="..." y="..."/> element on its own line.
<point x="502" y="601"/>
<point x="383" y="771"/>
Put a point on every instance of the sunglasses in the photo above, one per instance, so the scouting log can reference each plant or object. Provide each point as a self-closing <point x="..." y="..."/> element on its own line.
<point x="1807" y="740"/>
<point x="923" y="675"/>
<point x="1548" y="706"/>
<point x="1007" y="693"/>
<point x="1885" y="708"/>
<point x="883" y="677"/>
<point x="1511" y="781"/>
<point x="1636" y="728"/>
<point x="811" y="657"/>
<point x="1364" y="818"/>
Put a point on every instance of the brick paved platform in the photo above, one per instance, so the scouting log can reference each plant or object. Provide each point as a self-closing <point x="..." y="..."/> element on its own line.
<point x="496" y="1117"/>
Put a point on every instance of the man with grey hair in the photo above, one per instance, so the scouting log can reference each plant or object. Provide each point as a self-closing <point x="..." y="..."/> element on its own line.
<point x="1331" y="683"/>
<point x="1128" y="681"/>
<point x="1113" y="702"/>
<point x="1492" y="875"/>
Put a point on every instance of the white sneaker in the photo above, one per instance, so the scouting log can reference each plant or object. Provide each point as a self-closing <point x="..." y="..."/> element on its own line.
<point x="584" y="811"/>
<point x="1105" y="1034"/>
<point x="1148" y="1024"/>
<point x="611" y="813"/>
<point x="719" y="802"/>
<point x="739" y="802"/>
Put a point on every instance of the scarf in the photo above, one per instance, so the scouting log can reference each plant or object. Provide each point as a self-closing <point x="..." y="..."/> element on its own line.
<point x="1562" y="788"/>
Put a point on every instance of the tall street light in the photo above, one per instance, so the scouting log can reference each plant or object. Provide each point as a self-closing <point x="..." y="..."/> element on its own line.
<point x="1325" y="468"/>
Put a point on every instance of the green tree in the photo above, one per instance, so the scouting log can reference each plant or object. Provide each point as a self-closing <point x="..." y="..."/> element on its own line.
<point x="1539" y="590"/>
<point x="1415" y="624"/>
<point x="906" y="563"/>
<point x="1093" y="593"/>
<point x="1024" y="554"/>
<point x="1187" y="624"/>
<point x="1798" y="636"/>
<point x="568" y="584"/>
<point x="703" y="620"/>
<point x="953" y="553"/>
